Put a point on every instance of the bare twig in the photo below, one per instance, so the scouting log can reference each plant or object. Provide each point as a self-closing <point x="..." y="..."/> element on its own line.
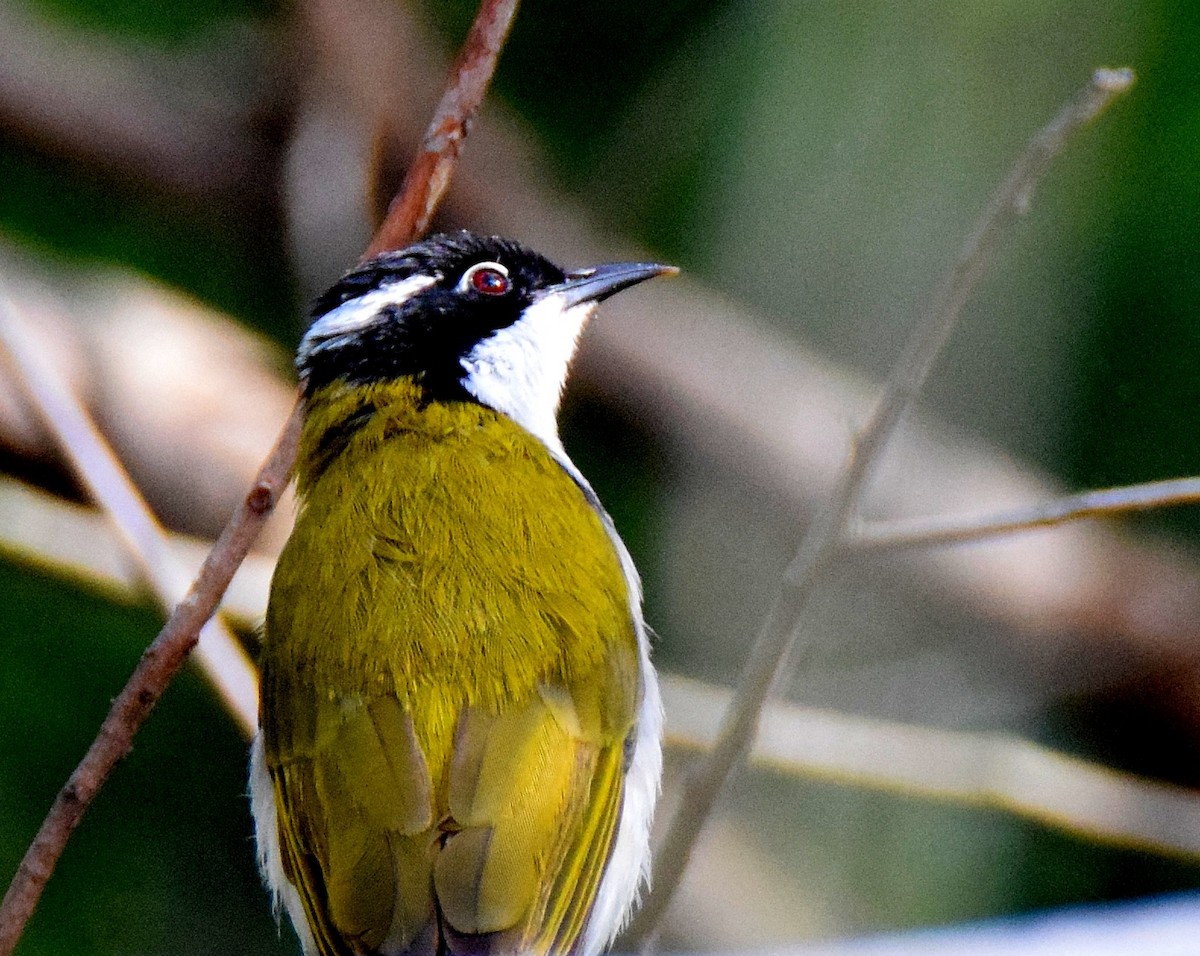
<point x="157" y="667"/>
<point x="935" y="530"/>
<point x="219" y="654"/>
<point x="995" y="770"/>
<point x="410" y="214"/>
<point x="779" y="634"/>
<point x="429" y="176"/>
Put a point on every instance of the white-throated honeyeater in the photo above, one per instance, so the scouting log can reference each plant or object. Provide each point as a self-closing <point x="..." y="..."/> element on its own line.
<point x="459" y="747"/>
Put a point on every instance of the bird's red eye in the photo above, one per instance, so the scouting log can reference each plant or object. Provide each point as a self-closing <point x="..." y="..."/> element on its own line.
<point x="488" y="280"/>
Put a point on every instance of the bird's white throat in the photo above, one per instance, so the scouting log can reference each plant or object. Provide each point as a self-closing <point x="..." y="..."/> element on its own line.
<point x="520" y="370"/>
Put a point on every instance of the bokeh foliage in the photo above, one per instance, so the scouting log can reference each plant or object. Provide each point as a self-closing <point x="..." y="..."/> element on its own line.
<point x="819" y="161"/>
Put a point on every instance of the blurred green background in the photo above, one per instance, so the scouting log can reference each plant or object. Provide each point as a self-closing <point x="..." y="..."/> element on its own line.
<point x="819" y="162"/>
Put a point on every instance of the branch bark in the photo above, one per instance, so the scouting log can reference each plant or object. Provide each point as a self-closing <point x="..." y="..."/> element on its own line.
<point x="777" y="639"/>
<point x="1102" y="503"/>
<point x="429" y="176"/>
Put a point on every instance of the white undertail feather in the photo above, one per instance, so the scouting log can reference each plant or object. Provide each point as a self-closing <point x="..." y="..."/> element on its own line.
<point x="270" y="856"/>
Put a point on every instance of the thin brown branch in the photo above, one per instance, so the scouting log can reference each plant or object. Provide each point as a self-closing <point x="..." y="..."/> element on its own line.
<point x="163" y="658"/>
<point x="429" y="175"/>
<point x="938" y="530"/>
<point x="780" y="632"/>
<point x="219" y="654"/>
<point x="157" y="667"/>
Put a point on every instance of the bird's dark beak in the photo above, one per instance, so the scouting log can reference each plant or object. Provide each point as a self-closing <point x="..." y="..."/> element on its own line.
<point x="598" y="283"/>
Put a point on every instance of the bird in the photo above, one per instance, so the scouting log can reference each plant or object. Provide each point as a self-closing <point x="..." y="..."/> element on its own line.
<point x="459" y="746"/>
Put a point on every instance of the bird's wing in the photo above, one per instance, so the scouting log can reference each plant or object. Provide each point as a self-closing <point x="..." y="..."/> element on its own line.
<point x="355" y="813"/>
<point x="534" y="795"/>
<point x="493" y="842"/>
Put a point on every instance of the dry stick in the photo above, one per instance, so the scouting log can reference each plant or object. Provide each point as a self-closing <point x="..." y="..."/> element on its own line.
<point x="940" y="529"/>
<point x="157" y="667"/>
<point x="981" y="769"/>
<point x="163" y="658"/>
<point x="219" y="654"/>
<point x="429" y="176"/>
<point x="823" y="540"/>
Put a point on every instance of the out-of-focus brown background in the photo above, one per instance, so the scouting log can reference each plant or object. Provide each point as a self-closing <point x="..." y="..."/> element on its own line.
<point x="176" y="182"/>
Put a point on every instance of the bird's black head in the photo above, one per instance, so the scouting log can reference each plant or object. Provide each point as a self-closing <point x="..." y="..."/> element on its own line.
<point x="466" y="317"/>
<point x="419" y="311"/>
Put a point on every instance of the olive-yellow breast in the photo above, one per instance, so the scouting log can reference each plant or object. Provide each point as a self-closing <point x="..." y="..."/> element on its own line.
<point x="459" y="748"/>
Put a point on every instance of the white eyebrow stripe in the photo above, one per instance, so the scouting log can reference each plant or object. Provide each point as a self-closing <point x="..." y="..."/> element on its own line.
<point x="359" y="312"/>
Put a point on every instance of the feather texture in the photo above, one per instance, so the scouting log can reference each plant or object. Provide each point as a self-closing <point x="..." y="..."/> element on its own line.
<point x="451" y="685"/>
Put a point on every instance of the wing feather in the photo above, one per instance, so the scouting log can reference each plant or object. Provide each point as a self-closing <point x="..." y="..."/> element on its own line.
<point x="357" y="825"/>
<point x="303" y="869"/>
<point x="574" y="890"/>
<point x="537" y="794"/>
